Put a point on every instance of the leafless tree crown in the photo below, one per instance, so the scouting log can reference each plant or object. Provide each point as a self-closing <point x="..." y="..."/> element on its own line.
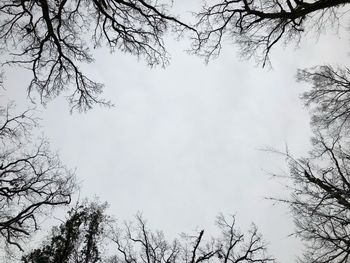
<point x="328" y="98"/>
<point x="257" y="25"/>
<point x="320" y="199"/>
<point x="136" y="243"/>
<point x="32" y="178"/>
<point x="52" y="38"/>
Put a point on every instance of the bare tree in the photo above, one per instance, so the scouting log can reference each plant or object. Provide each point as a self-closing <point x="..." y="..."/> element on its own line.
<point x="257" y="25"/>
<point x="51" y="38"/>
<point x="328" y="98"/>
<point x="136" y="243"/>
<point x="32" y="178"/>
<point x="236" y="246"/>
<point x="320" y="200"/>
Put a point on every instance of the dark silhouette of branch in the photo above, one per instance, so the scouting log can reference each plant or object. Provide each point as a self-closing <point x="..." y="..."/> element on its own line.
<point x="32" y="178"/>
<point x="320" y="200"/>
<point x="51" y="38"/>
<point x="257" y="25"/>
<point x="82" y="236"/>
<point x="136" y="243"/>
<point x="329" y="97"/>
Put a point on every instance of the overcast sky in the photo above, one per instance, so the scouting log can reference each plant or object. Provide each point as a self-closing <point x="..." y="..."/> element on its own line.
<point x="182" y="143"/>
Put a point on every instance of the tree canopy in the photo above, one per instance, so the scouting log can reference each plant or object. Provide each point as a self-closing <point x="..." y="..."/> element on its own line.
<point x="256" y="26"/>
<point x="87" y="231"/>
<point x="75" y="240"/>
<point x="52" y="39"/>
<point x="32" y="178"/>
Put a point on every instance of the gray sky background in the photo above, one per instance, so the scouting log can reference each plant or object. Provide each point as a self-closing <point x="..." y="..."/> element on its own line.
<point x="182" y="143"/>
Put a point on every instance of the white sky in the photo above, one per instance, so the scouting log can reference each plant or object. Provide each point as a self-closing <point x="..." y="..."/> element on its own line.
<point x="182" y="143"/>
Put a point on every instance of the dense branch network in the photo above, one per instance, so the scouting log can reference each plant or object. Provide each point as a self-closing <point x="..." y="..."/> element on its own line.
<point x="50" y="37"/>
<point x="136" y="243"/>
<point x="257" y="25"/>
<point x="75" y="240"/>
<point x="329" y="97"/>
<point x="84" y="234"/>
<point x="32" y="178"/>
<point x="320" y="200"/>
